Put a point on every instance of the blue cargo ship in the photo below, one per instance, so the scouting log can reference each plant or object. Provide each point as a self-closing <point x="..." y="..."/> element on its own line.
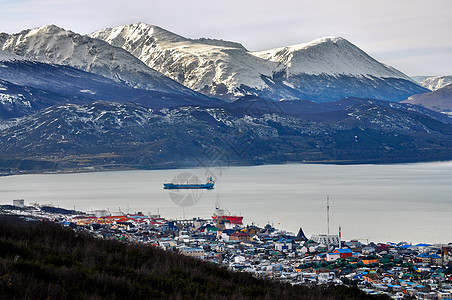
<point x="208" y="185"/>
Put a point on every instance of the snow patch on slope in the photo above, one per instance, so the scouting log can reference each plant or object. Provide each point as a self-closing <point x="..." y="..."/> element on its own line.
<point x="6" y="56"/>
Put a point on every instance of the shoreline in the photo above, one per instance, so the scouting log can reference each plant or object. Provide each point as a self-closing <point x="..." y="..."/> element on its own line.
<point x="106" y="168"/>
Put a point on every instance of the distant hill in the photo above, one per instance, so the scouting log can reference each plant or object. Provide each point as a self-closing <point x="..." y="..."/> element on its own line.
<point x="439" y="100"/>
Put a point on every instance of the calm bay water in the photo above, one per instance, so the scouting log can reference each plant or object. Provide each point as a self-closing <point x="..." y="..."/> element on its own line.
<point x="404" y="202"/>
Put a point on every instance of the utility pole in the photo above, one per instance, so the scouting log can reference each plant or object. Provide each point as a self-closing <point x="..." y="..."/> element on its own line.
<point x="328" y="223"/>
<point x="328" y="213"/>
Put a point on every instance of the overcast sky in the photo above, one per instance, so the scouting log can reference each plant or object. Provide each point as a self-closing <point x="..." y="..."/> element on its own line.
<point x="414" y="36"/>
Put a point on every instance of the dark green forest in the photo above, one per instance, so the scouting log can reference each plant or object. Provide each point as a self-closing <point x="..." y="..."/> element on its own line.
<point x="42" y="260"/>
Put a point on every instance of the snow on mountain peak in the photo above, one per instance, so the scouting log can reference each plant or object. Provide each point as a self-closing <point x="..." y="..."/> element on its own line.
<point x="227" y="70"/>
<point x="328" y="55"/>
<point x="52" y="44"/>
<point x="211" y="66"/>
<point x="49" y="29"/>
<point x="324" y="69"/>
<point x="132" y="33"/>
<point x="436" y="82"/>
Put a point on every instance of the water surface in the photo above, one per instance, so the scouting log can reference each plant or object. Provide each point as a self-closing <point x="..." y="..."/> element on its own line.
<point x="403" y="202"/>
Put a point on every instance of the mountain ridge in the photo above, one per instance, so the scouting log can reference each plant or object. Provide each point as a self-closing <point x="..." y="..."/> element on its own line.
<point x="125" y="135"/>
<point x="229" y="71"/>
<point x="55" y="45"/>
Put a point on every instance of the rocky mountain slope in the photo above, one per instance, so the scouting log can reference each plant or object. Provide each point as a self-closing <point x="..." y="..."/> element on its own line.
<point x="105" y="134"/>
<point x="28" y="86"/>
<point x="326" y="69"/>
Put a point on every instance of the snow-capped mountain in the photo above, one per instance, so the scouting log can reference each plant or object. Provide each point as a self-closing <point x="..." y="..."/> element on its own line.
<point x="436" y="82"/>
<point x="323" y="70"/>
<point x="214" y="67"/>
<point x="329" y="55"/>
<point x="51" y="44"/>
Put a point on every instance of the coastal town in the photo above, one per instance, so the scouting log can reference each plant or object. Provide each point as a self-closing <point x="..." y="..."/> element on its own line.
<point x="399" y="270"/>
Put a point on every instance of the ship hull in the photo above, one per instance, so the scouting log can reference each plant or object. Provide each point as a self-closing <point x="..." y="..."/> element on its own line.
<point x="169" y="186"/>
<point x="233" y="219"/>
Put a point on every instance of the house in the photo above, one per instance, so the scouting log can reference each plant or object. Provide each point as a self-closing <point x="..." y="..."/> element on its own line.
<point x="193" y="252"/>
<point x="19" y="203"/>
<point x="332" y="256"/>
<point x="251" y="230"/>
<point x="368" y="250"/>
<point x="382" y="247"/>
<point x="339" y="253"/>
<point x="240" y="236"/>
<point x="371" y="259"/>
<point x="343" y="252"/>
<point x="422" y="288"/>
<point x="283" y="244"/>
<point x="427" y="258"/>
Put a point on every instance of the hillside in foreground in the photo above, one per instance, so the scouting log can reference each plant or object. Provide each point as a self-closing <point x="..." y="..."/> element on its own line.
<point x="40" y="260"/>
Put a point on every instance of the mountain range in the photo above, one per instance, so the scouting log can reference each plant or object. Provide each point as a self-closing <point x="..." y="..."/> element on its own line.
<point x="54" y="45"/>
<point x="138" y="96"/>
<point x="323" y="70"/>
<point x="125" y="135"/>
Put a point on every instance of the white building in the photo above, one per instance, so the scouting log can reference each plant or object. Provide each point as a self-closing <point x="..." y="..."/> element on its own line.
<point x="323" y="239"/>
<point x="193" y="252"/>
<point x="332" y="256"/>
<point x="19" y="203"/>
<point x="99" y="213"/>
<point x="283" y="244"/>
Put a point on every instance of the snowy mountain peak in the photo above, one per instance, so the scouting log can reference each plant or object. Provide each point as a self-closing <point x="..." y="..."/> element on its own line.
<point x="214" y="67"/>
<point x="133" y="33"/>
<point x="323" y="40"/>
<point x="328" y="55"/>
<point x="227" y="70"/>
<point x="55" y="45"/>
<point x="48" y="29"/>
<point x="325" y="69"/>
<point x="436" y="82"/>
<point x="118" y="36"/>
